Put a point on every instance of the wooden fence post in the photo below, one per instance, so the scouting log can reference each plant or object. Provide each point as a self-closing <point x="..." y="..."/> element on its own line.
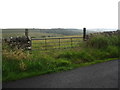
<point x="84" y="33"/>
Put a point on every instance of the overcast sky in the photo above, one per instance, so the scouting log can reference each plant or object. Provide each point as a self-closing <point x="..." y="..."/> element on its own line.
<point x="59" y="13"/>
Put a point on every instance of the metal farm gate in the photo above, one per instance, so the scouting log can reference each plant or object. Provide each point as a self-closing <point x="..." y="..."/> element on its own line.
<point x="57" y="43"/>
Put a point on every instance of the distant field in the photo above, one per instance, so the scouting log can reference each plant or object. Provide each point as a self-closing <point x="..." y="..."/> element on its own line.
<point x="41" y="33"/>
<point x="33" y="35"/>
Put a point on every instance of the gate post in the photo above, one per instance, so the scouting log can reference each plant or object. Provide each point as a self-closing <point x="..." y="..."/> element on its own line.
<point x="29" y="40"/>
<point x="84" y="34"/>
<point x="26" y="32"/>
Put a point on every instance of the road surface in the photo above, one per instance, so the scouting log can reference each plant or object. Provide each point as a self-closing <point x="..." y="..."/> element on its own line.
<point x="102" y="75"/>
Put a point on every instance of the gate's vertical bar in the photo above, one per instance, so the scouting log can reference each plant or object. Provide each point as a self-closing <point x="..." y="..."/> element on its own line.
<point x="84" y="34"/>
<point x="59" y="43"/>
<point x="71" y="42"/>
<point x="45" y="44"/>
<point x="79" y="42"/>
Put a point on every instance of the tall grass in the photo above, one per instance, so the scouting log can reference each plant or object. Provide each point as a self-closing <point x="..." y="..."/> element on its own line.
<point x="19" y="64"/>
<point x="102" y="41"/>
<point x="107" y="45"/>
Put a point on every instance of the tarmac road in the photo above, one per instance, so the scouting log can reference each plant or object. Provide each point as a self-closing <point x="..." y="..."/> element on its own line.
<point x="102" y="75"/>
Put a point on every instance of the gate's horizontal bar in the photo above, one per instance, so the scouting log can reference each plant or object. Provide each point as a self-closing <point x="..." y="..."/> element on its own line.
<point x="54" y="38"/>
<point x="58" y="42"/>
<point x="51" y="48"/>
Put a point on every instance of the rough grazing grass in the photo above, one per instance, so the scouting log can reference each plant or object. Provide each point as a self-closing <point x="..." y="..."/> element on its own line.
<point x="18" y="64"/>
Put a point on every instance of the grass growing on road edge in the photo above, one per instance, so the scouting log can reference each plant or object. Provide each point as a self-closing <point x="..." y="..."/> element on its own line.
<point x="23" y="64"/>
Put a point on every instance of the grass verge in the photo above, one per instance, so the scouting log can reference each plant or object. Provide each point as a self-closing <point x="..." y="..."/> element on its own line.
<point x="18" y="64"/>
<point x="16" y="76"/>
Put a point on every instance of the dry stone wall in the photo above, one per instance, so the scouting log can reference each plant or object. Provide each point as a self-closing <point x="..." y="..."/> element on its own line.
<point x="23" y="42"/>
